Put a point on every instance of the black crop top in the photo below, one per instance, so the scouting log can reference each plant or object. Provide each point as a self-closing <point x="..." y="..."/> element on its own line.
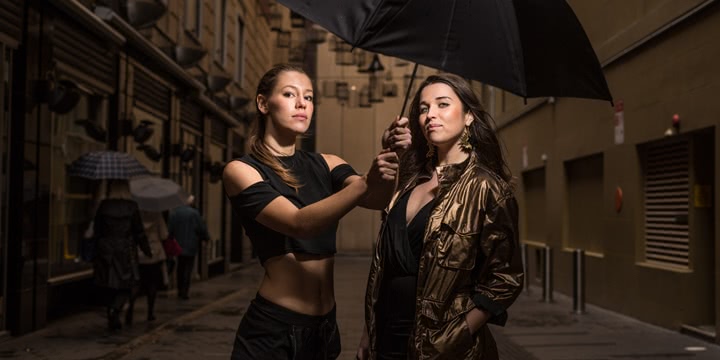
<point x="317" y="181"/>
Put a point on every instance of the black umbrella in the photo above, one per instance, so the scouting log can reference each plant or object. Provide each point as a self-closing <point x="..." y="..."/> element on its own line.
<point x="531" y="48"/>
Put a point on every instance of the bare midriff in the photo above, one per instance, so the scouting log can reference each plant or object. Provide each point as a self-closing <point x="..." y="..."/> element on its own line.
<point x="300" y="282"/>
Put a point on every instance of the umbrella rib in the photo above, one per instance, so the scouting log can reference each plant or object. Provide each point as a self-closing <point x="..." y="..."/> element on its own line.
<point x="365" y="24"/>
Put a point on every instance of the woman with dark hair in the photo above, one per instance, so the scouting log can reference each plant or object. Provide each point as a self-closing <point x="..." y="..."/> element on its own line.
<point x="447" y="260"/>
<point x="290" y="202"/>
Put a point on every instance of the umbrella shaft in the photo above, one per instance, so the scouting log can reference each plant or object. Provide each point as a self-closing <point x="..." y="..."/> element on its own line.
<point x="407" y="93"/>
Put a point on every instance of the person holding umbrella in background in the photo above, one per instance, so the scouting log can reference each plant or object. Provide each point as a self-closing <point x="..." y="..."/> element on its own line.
<point x="189" y="229"/>
<point x="154" y="196"/>
<point x="151" y="267"/>
<point x="118" y="232"/>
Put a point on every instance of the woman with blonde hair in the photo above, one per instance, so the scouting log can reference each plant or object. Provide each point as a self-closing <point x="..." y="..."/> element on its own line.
<point x="150" y="267"/>
<point x="118" y="232"/>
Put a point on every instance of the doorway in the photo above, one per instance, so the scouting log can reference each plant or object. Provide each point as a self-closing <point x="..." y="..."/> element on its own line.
<point x="702" y="227"/>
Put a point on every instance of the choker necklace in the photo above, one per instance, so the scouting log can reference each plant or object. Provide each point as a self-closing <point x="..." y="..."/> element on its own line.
<point x="280" y="153"/>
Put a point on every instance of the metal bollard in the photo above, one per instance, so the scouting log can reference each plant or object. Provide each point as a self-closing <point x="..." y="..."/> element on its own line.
<point x="547" y="295"/>
<point x="579" y="281"/>
<point x="524" y="257"/>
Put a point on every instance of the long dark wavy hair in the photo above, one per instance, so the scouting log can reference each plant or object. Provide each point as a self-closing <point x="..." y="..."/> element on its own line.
<point x="258" y="147"/>
<point x="483" y="138"/>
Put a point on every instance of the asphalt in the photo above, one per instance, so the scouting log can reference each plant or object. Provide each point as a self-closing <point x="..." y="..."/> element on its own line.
<point x="203" y="327"/>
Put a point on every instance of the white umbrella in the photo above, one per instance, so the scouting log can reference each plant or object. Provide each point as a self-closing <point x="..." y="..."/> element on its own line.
<point x="157" y="194"/>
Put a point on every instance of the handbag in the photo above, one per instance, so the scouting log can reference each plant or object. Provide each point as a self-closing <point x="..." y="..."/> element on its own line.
<point x="171" y="246"/>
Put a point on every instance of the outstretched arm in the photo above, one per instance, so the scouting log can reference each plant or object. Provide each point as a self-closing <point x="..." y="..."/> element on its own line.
<point x="282" y="215"/>
<point x="380" y="179"/>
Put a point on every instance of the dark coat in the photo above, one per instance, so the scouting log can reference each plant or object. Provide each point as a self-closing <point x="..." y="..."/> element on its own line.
<point x="188" y="228"/>
<point x="118" y="231"/>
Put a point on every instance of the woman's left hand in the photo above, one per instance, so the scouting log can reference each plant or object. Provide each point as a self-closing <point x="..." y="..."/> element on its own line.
<point x="397" y="136"/>
<point x="475" y="319"/>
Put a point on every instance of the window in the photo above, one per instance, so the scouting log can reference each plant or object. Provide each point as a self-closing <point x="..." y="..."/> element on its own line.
<point x="667" y="202"/>
<point x="190" y="171"/>
<point x="215" y="205"/>
<point x="74" y="199"/>
<point x="220" y="33"/>
<point x="240" y="59"/>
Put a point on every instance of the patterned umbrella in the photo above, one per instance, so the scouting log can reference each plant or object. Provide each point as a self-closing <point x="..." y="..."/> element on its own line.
<point x="157" y="194"/>
<point x="107" y="164"/>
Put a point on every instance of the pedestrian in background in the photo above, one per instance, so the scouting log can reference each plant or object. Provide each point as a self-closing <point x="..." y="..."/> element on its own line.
<point x="118" y="232"/>
<point x="151" y="268"/>
<point x="447" y="260"/>
<point x="189" y="229"/>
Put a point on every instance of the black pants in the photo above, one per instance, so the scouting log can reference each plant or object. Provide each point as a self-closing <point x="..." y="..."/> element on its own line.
<point x="184" y="274"/>
<point x="151" y="278"/>
<point x="116" y="298"/>
<point x="270" y="331"/>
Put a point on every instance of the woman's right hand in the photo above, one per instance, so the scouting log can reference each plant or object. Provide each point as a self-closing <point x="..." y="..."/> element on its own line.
<point x="363" y="351"/>
<point x="383" y="169"/>
<point x="380" y="181"/>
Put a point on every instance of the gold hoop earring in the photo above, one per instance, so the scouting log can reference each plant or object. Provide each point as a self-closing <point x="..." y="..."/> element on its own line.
<point x="430" y="152"/>
<point x="465" y="144"/>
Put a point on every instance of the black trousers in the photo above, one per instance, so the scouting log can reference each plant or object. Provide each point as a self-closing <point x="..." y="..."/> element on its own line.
<point x="184" y="274"/>
<point x="270" y="331"/>
<point x="116" y="298"/>
<point x="151" y="277"/>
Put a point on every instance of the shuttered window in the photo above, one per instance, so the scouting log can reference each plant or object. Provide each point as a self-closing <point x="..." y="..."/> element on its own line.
<point x="82" y="50"/>
<point x="151" y="95"/>
<point x="192" y="115"/>
<point x="11" y="15"/>
<point x="667" y="197"/>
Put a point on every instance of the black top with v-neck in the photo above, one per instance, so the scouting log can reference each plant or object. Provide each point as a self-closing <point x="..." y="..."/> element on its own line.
<point x="401" y="246"/>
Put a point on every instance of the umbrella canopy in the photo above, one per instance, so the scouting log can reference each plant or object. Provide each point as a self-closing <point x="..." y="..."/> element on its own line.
<point x="531" y="48"/>
<point x="107" y="164"/>
<point x="157" y="194"/>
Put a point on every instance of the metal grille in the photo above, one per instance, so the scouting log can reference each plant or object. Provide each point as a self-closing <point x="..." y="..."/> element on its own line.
<point x="150" y="94"/>
<point x="192" y="115"/>
<point x="77" y="47"/>
<point x="667" y="198"/>
<point x="11" y="18"/>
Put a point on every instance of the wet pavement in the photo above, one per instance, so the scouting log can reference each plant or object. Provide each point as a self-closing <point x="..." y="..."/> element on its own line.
<point x="204" y="327"/>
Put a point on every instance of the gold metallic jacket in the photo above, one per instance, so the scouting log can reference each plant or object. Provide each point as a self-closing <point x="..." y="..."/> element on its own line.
<point x="470" y="258"/>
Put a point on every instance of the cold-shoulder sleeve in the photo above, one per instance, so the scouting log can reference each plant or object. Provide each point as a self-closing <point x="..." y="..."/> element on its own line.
<point x="251" y="201"/>
<point x="339" y="174"/>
